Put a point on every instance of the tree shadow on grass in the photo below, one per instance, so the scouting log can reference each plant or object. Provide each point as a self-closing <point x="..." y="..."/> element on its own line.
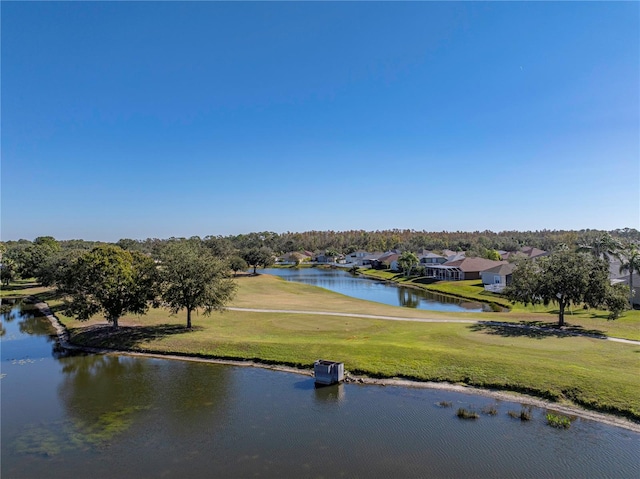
<point x="125" y="337"/>
<point x="534" y="330"/>
<point x="20" y="287"/>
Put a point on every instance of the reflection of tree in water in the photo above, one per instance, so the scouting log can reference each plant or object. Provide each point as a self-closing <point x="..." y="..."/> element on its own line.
<point x="408" y="298"/>
<point x="35" y="325"/>
<point x="105" y="395"/>
<point x="101" y="394"/>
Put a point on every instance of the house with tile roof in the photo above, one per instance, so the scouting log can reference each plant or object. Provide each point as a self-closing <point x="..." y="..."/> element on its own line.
<point x="460" y="269"/>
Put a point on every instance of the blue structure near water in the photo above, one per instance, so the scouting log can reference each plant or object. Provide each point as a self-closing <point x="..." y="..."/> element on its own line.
<point x="328" y="372"/>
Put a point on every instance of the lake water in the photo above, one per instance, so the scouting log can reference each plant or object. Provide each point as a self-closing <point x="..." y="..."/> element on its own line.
<point x="102" y="416"/>
<point x="345" y="283"/>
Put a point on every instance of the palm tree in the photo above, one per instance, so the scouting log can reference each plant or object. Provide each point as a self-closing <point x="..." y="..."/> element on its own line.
<point x="604" y="246"/>
<point x="630" y="261"/>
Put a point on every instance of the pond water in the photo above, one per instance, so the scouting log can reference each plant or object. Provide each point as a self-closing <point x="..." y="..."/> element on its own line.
<point x="385" y="292"/>
<point x="106" y="416"/>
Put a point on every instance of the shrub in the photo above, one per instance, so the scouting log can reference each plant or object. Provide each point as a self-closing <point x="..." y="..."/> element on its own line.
<point x="523" y="415"/>
<point x="445" y="404"/>
<point x="490" y="410"/>
<point x="556" y="420"/>
<point x="466" y="414"/>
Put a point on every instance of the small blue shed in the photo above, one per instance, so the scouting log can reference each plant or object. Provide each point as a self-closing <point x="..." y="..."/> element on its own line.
<point x="328" y="372"/>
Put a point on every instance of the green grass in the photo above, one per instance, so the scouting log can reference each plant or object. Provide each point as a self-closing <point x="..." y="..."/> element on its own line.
<point x="596" y="321"/>
<point x="597" y="374"/>
<point x="21" y="288"/>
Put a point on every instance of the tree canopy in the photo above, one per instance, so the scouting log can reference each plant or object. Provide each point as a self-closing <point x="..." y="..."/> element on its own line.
<point x="258" y="257"/>
<point x="110" y="281"/>
<point x="565" y="278"/>
<point x="192" y="278"/>
<point x="407" y="261"/>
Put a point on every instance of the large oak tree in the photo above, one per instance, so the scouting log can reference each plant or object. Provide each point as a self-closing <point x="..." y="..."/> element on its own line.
<point x="110" y="281"/>
<point x="194" y="279"/>
<point x="565" y="278"/>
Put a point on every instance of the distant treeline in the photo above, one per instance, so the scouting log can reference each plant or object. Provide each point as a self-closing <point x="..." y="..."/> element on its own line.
<point x="348" y="241"/>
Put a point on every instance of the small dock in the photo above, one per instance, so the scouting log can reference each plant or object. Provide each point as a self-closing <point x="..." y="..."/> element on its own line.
<point x="328" y="372"/>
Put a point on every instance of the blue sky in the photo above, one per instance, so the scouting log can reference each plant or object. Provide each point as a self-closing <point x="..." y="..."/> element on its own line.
<point x="136" y="120"/>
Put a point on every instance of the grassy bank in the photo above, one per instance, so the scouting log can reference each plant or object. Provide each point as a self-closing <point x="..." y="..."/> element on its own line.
<point x="627" y="327"/>
<point x="598" y="374"/>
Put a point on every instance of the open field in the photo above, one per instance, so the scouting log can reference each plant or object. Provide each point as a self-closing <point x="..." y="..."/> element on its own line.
<point x="598" y="374"/>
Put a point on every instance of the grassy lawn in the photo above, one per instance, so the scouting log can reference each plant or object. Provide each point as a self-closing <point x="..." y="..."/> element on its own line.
<point x="627" y="326"/>
<point x="598" y="374"/>
<point x="20" y="288"/>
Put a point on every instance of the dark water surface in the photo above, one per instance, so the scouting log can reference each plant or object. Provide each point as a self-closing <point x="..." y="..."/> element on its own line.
<point x="345" y="283"/>
<point x="100" y="416"/>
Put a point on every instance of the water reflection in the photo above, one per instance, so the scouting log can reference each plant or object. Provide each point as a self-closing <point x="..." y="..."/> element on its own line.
<point x="408" y="298"/>
<point x="115" y="416"/>
<point x="379" y="291"/>
<point x="106" y="394"/>
<point x="329" y="394"/>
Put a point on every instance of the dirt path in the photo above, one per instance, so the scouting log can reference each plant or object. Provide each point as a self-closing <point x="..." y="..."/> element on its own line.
<point x="433" y="320"/>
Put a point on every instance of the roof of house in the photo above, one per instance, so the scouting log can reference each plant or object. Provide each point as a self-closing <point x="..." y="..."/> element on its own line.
<point x="528" y="251"/>
<point x="430" y="255"/>
<point x="388" y="257"/>
<point x="501" y="269"/>
<point x="470" y="265"/>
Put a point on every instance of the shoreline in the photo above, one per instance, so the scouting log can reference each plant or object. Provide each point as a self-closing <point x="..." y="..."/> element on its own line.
<point x="566" y="409"/>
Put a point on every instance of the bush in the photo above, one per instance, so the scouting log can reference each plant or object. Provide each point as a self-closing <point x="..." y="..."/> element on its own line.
<point x="556" y="420"/>
<point x="466" y="414"/>
<point x="523" y="415"/>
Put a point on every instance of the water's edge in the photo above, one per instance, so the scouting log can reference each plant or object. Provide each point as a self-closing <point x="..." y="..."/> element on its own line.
<point x="572" y="410"/>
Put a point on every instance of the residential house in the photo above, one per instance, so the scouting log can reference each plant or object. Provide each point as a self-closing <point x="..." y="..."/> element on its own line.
<point x="427" y="257"/>
<point x="529" y="252"/>
<point x="498" y="277"/>
<point x="460" y="269"/>
<point x="388" y="260"/>
<point x="357" y="257"/>
<point x="323" y="257"/>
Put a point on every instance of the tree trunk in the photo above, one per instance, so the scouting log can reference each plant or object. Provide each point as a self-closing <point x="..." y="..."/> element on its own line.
<point x="631" y="287"/>
<point x="114" y="324"/>
<point x="255" y="266"/>
<point x="561" y="305"/>
<point x="188" y="318"/>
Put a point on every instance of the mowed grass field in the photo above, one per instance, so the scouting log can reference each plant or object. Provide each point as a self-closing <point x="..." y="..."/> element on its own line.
<point x="595" y="373"/>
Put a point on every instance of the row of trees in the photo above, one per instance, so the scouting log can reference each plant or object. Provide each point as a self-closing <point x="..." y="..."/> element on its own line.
<point x="476" y="243"/>
<point x="113" y="282"/>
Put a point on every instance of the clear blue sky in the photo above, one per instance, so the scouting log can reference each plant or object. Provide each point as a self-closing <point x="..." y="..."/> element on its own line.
<point x="214" y="118"/>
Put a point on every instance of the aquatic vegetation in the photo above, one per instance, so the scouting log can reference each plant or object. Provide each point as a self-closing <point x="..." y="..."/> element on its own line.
<point x="523" y="415"/>
<point x="467" y="414"/>
<point x="490" y="410"/>
<point x="558" y="421"/>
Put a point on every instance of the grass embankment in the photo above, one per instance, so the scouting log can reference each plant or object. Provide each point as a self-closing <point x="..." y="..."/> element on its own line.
<point x="600" y="375"/>
<point x="580" y="319"/>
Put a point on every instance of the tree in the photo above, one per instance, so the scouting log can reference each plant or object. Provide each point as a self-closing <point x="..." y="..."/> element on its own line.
<point x="237" y="263"/>
<point x="193" y="278"/>
<point x="111" y="281"/>
<point x="407" y="261"/>
<point x="492" y="254"/>
<point x="603" y="246"/>
<point x="8" y="271"/>
<point x="258" y="257"/>
<point x="630" y="261"/>
<point x="564" y="278"/>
